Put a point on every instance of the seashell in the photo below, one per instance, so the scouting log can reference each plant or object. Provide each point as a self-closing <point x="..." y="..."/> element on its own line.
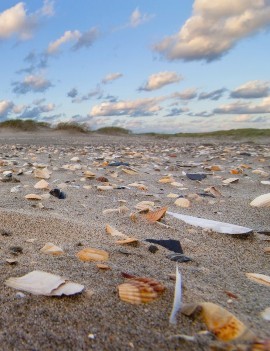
<point x="114" y="232"/>
<point x="129" y="171"/>
<point x="236" y="171"/>
<point x="177" y="301"/>
<point x="166" y="179"/>
<point x="33" y="197"/>
<point x="219" y="321"/>
<point x="172" y="195"/>
<point x="51" y="249"/>
<point x="216" y="168"/>
<point x="154" y="216"/>
<point x="261" y="201"/>
<point x="139" y="186"/>
<point x="259" y="278"/>
<point x="43" y="283"/>
<point x="89" y="174"/>
<point x="102" y="179"/>
<point x="42" y="184"/>
<point x="104" y="187"/>
<point x="261" y="345"/>
<point x="145" y="205"/>
<point x="103" y="266"/>
<point x="140" y="290"/>
<point x="182" y="202"/>
<point x="266" y="314"/>
<point x="43" y="173"/>
<point x="128" y="241"/>
<point x="177" y="184"/>
<point x="214" y="191"/>
<point x="261" y="172"/>
<point x="75" y="159"/>
<point x="267" y="250"/>
<point x="90" y="254"/>
<point x="265" y="182"/>
<point x="230" y="180"/>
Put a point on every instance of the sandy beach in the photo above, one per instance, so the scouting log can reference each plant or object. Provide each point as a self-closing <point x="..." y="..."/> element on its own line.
<point x="97" y="319"/>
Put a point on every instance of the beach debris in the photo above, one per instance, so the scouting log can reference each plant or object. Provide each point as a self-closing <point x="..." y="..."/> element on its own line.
<point x="153" y="249"/>
<point x="266" y="314"/>
<point x="261" y="201"/>
<point x="214" y="191"/>
<point x="261" y="172"/>
<point x="11" y="261"/>
<point x="128" y="241"/>
<point x="177" y="301"/>
<point x="56" y="192"/>
<point x="15" y="250"/>
<point x="267" y="250"/>
<point x="145" y="206"/>
<point x="33" y="197"/>
<point x="42" y="184"/>
<point x="89" y="175"/>
<point x="129" y="171"/>
<point x="103" y="266"/>
<point x="43" y="173"/>
<point x="169" y="244"/>
<point x="219" y="227"/>
<point x="259" y="278"/>
<point x="166" y="179"/>
<point x="138" y="290"/>
<point x="222" y="323"/>
<point x="177" y="257"/>
<point x="104" y="187"/>
<point x="114" y="232"/>
<point x="139" y="186"/>
<point x="118" y="163"/>
<point x="75" y="159"/>
<point x="216" y="168"/>
<point x="51" y="249"/>
<point x="182" y="202"/>
<point x="102" y="179"/>
<point x="16" y="189"/>
<point x="43" y="283"/>
<point x="172" y="195"/>
<point x="90" y="254"/>
<point x="155" y="216"/>
<point x="121" y="210"/>
<point x="265" y="182"/>
<point x="196" y="176"/>
<point x="230" y="181"/>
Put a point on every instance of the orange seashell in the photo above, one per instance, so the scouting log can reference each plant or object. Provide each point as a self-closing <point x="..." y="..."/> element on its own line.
<point x="90" y="254"/>
<point x="103" y="266"/>
<point x="138" y="290"/>
<point x="235" y="171"/>
<point x="216" y="168"/>
<point x="154" y="216"/>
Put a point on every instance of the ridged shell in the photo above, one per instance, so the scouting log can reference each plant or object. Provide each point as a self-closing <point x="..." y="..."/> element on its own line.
<point x="42" y="184"/>
<point x="33" y="197"/>
<point x="182" y="202"/>
<point x="51" y="249"/>
<point x="261" y="201"/>
<point x="43" y="173"/>
<point x="219" y="321"/>
<point x="90" y="254"/>
<point x="157" y="215"/>
<point x="140" y="290"/>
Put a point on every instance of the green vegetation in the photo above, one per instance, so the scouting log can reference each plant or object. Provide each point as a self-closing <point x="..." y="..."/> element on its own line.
<point x="235" y="133"/>
<point x="72" y="127"/>
<point x="113" y="131"/>
<point x="24" y="125"/>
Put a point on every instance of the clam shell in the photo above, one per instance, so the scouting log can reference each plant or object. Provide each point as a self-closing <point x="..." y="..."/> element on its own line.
<point x="154" y="216"/>
<point x="139" y="186"/>
<point x="42" y="184"/>
<point x="90" y="254"/>
<point x="51" y="249"/>
<point x="140" y="290"/>
<point x="33" y="197"/>
<point x="166" y="179"/>
<point x="114" y="232"/>
<point x="230" y="180"/>
<point x="182" y="202"/>
<point x="145" y="205"/>
<point x="261" y="201"/>
<point x="104" y="187"/>
<point x="89" y="174"/>
<point x="219" y="321"/>
<point x="43" y="173"/>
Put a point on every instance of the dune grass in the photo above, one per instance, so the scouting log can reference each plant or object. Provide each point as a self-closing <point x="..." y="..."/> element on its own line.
<point x="72" y="127"/>
<point x="24" y="125"/>
<point x="235" y="133"/>
<point x="113" y="131"/>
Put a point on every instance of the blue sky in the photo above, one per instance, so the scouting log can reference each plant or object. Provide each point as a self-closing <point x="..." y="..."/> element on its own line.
<point x="190" y="66"/>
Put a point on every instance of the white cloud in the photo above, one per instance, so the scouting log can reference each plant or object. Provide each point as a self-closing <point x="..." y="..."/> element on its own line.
<point x="66" y="37"/>
<point x="214" y="28"/>
<point x="34" y="83"/>
<point x="16" y="21"/>
<point x="186" y="94"/>
<point x="132" y="108"/>
<point x="111" y="76"/>
<point x="159" y="80"/>
<point x="251" y="90"/>
<point x="241" y="107"/>
<point x="5" y="107"/>
<point x="137" y="18"/>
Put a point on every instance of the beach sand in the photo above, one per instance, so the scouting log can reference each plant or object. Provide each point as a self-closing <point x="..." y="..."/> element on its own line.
<point x="97" y="319"/>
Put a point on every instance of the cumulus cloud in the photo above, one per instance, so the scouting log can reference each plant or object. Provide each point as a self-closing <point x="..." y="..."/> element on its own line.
<point x="176" y="112"/>
<point x="96" y="92"/>
<point x="5" y="108"/>
<point x="132" y="108"/>
<point x="214" y="28"/>
<point x="159" y="80"/>
<point x="241" y="107"/>
<point x="201" y="114"/>
<point x="252" y="119"/>
<point x="213" y="95"/>
<point x="137" y="18"/>
<point x="251" y="90"/>
<point x="111" y="76"/>
<point x="187" y="94"/>
<point x="16" y="22"/>
<point x="37" y="111"/>
<point x="31" y="83"/>
<point x="80" y="40"/>
<point x="72" y="93"/>
<point x="35" y="61"/>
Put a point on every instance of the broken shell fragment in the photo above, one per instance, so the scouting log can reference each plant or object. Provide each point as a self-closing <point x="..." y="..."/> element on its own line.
<point x="89" y="174"/>
<point x="33" y="197"/>
<point x="128" y="241"/>
<point x="261" y="201"/>
<point x="43" y="283"/>
<point x="140" y="290"/>
<point x="154" y="216"/>
<point x="43" y="173"/>
<point x="114" y="232"/>
<point x="219" y="321"/>
<point x="42" y="184"/>
<point x="90" y="254"/>
<point x="182" y="202"/>
<point x="230" y="180"/>
<point x="51" y="249"/>
<point x="259" y="278"/>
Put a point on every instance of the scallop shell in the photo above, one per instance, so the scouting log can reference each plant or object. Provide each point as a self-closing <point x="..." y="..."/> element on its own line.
<point x="145" y="206"/>
<point x="42" y="184"/>
<point x="90" y="254"/>
<point x="219" y="321"/>
<point x="216" y="168"/>
<point x="51" y="249"/>
<point x="182" y="202"/>
<point x="261" y="201"/>
<point x="154" y="216"/>
<point x="140" y="290"/>
<point x="89" y="174"/>
<point x="33" y="197"/>
<point x="43" y="173"/>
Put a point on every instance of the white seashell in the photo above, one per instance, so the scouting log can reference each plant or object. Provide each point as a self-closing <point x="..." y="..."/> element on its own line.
<point x="265" y="182"/>
<point x="177" y="297"/>
<point x="16" y="189"/>
<point x="104" y="187"/>
<point x="261" y="201"/>
<point x="182" y="202"/>
<point x="230" y="180"/>
<point x="43" y="173"/>
<point x="51" y="249"/>
<point x="33" y="197"/>
<point x="172" y="195"/>
<point x="42" y="184"/>
<point x="75" y="159"/>
<point x="43" y="283"/>
<point x="261" y="172"/>
<point x="145" y="205"/>
<point x="266" y="314"/>
<point x="220" y="227"/>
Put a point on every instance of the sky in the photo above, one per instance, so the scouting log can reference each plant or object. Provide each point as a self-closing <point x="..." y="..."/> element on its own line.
<point x="146" y="65"/>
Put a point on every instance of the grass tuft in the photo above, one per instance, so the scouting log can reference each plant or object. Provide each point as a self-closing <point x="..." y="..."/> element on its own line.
<point x="113" y="131"/>
<point x="24" y="125"/>
<point x="72" y="127"/>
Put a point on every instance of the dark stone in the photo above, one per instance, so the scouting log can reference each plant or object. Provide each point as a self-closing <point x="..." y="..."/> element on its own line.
<point x="196" y="176"/>
<point x="58" y="193"/>
<point x="15" y="250"/>
<point x="179" y="258"/>
<point x="118" y="163"/>
<point x="153" y="249"/>
<point x="5" y="232"/>
<point x="170" y="244"/>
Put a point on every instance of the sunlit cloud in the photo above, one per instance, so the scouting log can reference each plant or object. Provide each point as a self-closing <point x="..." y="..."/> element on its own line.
<point x="31" y="83"/>
<point x="251" y="90"/>
<point x="111" y="77"/>
<point x="159" y="80"/>
<point x="212" y="95"/>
